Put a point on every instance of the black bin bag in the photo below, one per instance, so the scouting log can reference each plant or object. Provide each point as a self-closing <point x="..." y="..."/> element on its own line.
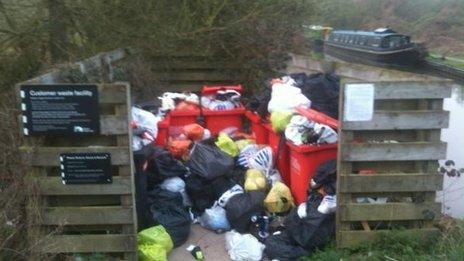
<point x="313" y="231"/>
<point x="161" y="165"/>
<point x="199" y="191"/>
<point x="326" y="176"/>
<point x="209" y="161"/>
<point x="323" y="91"/>
<point x="203" y="192"/>
<point x="240" y="208"/>
<point x="283" y="248"/>
<point x="167" y="210"/>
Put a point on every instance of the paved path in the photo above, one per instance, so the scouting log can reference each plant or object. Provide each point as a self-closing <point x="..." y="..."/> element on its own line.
<point x="212" y="244"/>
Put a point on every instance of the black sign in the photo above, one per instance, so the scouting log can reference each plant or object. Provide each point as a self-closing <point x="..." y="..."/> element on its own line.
<point x="60" y="109"/>
<point x="86" y="168"/>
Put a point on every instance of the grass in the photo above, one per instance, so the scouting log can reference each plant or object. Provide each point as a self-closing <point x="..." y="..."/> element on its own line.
<point x="457" y="62"/>
<point x="398" y="246"/>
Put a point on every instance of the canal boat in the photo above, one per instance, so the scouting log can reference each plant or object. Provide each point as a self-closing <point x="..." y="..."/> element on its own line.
<point x="382" y="46"/>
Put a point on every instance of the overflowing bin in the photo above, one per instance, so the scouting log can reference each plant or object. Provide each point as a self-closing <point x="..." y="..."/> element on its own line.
<point x="304" y="161"/>
<point x="179" y="118"/>
<point x="218" y="120"/>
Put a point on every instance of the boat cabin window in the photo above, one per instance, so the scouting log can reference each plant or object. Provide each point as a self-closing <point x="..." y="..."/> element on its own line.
<point x="396" y="41"/>
<point x="363" y="40"/>
<point x="375" y="41"/>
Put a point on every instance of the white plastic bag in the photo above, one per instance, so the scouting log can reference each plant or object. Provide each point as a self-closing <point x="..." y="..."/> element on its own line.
<point x="145" y="121"/>
<point x="243" y="247"/>
<point x="285" y="97"/>
<point x="215" y="218"/>
<point x="176" y="184"/>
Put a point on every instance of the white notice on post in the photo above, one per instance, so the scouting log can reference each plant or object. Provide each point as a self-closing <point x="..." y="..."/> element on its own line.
<point x="359" y="102"/>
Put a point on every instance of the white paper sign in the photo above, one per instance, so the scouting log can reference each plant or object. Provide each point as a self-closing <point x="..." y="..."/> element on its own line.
<point x="359" y="102"/>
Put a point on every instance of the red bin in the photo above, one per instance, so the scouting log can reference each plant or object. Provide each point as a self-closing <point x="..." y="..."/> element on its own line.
<point x="216" y="121"/>
<point x="304" y="161"/>
<point x="163" y="132"/>
<point x="257" y="127"/>
<point x="180" y="118"/>
<point x="282" y="162"/>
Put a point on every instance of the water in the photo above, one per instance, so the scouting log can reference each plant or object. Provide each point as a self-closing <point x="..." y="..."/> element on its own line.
<point x="452" y="195"/>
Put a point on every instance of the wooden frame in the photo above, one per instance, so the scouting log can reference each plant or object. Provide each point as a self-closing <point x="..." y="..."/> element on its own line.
<point x="416" y="108"/>
<point x="93" y="218"/>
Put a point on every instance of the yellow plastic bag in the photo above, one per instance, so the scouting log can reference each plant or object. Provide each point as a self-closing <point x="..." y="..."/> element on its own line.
<point x="280" y="120"/>
<point x="155" y="235"/>
<point x="254" y="180"/>
<point x="279" y="198"/>
<point x="243" y="143"/>
<point x="152" y="252"/>
<point x="226" y="144"/>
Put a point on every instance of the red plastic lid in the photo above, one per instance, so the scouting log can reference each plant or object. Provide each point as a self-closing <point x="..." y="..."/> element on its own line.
<point x="310" y="148"/>
<point x="190" y="112"/>
<point x="209" y="90"/>
<point x="318" y="117"/>
<point x="240" y="110"/>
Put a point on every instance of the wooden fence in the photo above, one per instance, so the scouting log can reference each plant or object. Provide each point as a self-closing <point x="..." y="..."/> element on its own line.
<point x="393" y="157"/>
<point x="85" y="218"/>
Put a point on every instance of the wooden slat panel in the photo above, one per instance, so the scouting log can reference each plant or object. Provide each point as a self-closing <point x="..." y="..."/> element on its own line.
<point x="389" y="211"/>
<point x="113" y="125"/>
<point x="390" y="183"/>
<point x="401" y="120"/>
<point x="53" y="186"/>
<point x="112" y="93"/>
<point x="412" y="90"/>
<point x="88" y="243"/>
<point x="393" y="151"/>
<point x="352" y="238"/>
<point x="193" y="76"/>
<point x="49" y="156"/>
<point x="87" y="216"/>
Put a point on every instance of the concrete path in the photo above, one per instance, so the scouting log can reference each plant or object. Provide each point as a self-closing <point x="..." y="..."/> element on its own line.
<point x="212" y="244"/>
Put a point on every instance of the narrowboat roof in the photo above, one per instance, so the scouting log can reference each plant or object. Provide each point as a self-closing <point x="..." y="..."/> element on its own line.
<point x="366" y="33"/>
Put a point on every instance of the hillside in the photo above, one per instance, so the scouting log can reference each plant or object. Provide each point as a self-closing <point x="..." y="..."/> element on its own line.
<point x="438" y="23"/>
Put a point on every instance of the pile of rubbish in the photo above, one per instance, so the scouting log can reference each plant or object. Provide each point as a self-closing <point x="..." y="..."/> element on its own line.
<point x="228" y="183"/>
<point x="283" y="100"/>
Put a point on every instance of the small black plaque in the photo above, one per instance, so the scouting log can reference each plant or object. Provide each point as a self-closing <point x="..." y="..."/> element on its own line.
<point x="60" y="109"/>
<point x="86" y="168"/>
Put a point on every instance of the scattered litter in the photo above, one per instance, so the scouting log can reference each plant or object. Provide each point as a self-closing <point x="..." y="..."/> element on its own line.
<point x="196" y="252"/>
